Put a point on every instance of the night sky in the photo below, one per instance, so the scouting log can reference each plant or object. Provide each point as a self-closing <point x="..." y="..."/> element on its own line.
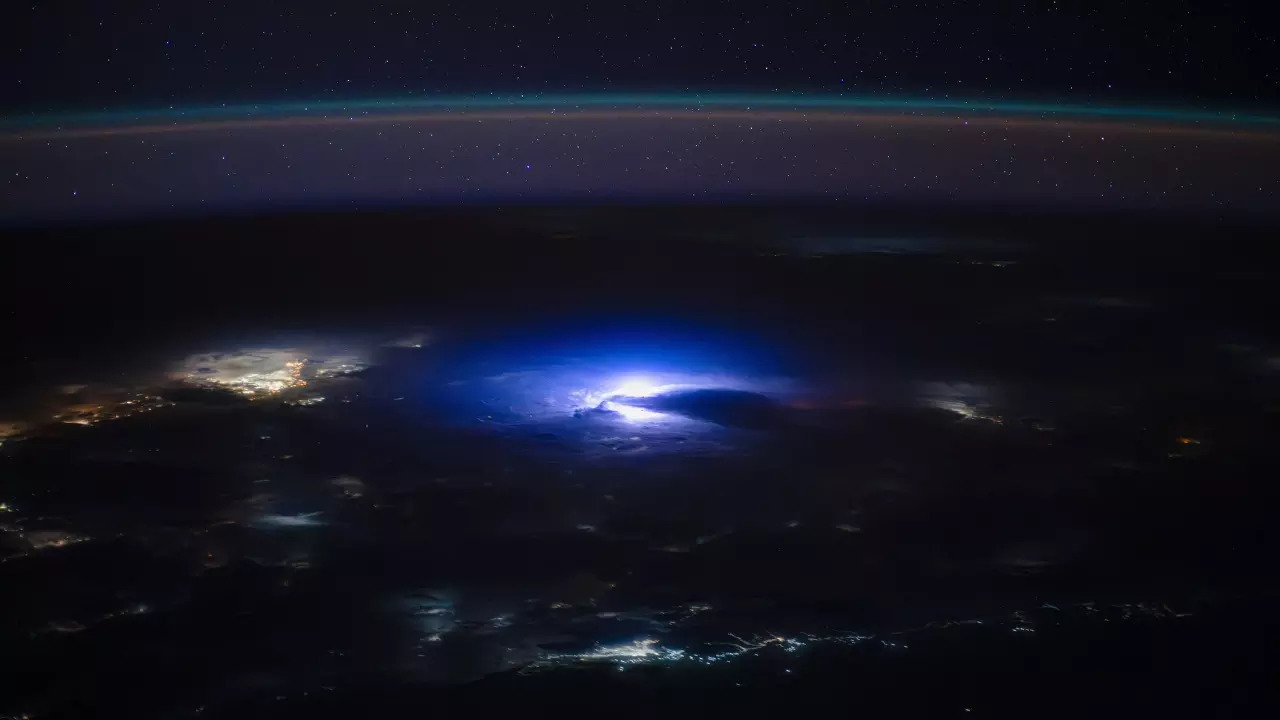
<point x="69" y="55"/>
<point x="138" y="108"/>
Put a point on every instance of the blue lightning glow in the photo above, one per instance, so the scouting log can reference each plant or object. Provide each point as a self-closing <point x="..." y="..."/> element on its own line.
<point x="639" y="386"/>
<point x="631" y="413"/>
<point x="585" y="373"/>
<point x="632" y="387"/>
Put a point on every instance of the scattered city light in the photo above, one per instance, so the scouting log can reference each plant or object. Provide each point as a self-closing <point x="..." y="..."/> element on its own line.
<point x="44" y="539"/>
<point x="647" y="650"/>
<point x="635" y="652"/>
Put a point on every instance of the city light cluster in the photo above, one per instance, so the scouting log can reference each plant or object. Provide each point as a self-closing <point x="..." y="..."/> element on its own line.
<point x="647" y="651"/>
<point x="75" y="626"/>
<point x="641" y="651"/>
<point x="41" y="539"/>
<point x="256" y="384"/>
<point x="263" y="383"/>
<point x="113" y="408"/>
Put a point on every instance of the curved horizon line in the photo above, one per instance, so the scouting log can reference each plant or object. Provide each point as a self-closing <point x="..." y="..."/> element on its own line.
<point x="625" y="102"/>
<point x="1113" y="126"/>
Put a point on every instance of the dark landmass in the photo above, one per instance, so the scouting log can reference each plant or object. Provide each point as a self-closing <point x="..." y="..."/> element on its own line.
<point x="536" y="461"/>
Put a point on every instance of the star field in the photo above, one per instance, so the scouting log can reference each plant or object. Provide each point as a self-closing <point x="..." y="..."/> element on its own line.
<point x="64" y="55"/>
<point x="146" y="106"/>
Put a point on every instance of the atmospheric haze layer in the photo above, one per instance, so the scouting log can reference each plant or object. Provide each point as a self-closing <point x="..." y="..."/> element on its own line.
<point x="637" y="147"/>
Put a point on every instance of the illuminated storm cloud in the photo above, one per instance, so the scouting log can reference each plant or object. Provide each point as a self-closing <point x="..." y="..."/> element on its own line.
<point x="968" y="400"/>
<point x="624" y="393"/>
<point x="248" y="371"/>
<point x="285" y="522"/>
<point x="256" y="372"/>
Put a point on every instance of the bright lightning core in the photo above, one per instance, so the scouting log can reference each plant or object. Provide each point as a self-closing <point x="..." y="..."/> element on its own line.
<point x="631" y="387"/>
<point x="638" y="386"/>
<point x="631" y="413"/>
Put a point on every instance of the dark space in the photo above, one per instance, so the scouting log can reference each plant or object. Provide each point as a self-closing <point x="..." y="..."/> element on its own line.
<point x="694" y="359"/>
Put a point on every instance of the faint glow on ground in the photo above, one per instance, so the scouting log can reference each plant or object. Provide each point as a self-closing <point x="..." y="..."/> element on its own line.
<point x="41" y="539"/>
<point x="412" y="340"/>
<point x="75" y="626"/>
<point x="11" y="429"/>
